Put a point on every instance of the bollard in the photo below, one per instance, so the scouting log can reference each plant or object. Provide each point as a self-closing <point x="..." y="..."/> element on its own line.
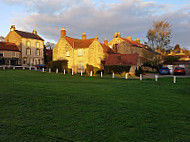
<point x="14" y="68"/>
<point x="42" y="69"/>
<point x="35" y="68"/>
<point x="72" y="72"/>
<point x="30" y="68"/>
<point x="113" y="75"/>
<point x="90" y="73"/>
<point x="64" y="71"/>
<point x="156" y="78"/>
<point x="175" y="79"/>
<point x="141" y="77"/>
<point x="57" y="71"/>
<point x="126" y="76"/>
<point x="49" y="70"/>
<point x="23" y="68"/>
<point x="81" y="73"/>
<point x="101" y="75"/>
<point x="3" y="68"/>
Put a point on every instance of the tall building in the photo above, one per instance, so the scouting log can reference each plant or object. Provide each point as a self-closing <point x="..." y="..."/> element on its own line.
<point x="31" y="46"/>
<point x="80" y="52"/>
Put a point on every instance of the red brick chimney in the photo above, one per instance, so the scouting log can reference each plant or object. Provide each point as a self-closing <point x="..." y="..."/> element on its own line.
<point x="106" y="42"/>
<point x="63" y="32"/>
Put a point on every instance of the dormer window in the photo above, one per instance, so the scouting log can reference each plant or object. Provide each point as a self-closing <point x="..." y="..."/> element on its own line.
<point x="28" y="44"/>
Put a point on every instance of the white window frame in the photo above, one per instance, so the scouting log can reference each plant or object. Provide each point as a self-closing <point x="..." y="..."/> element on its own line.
<point x="67" y="54"/>
<point x="14" y="54"/>
<point x="37" y="52"/>
<point x="28" y="53"/>
<point x="80" y="66"/>
<point x="80" y="52"/>
<point x="28" y="44"/>
<point x="38" y="44"/>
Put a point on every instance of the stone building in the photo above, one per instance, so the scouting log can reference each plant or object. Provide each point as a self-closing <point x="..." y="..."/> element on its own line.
<point x="9" y="53"/>
<point x="80" y="52"/>
<point x="128" y="46"/>
<point x="31" y="46"/>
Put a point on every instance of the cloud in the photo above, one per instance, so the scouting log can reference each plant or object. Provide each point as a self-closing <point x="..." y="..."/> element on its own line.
<point x="131" y="18"/>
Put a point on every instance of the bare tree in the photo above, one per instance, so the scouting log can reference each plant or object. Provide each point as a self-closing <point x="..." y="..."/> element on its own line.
<point x="2" y="38"/>
<point x="159" y="35"/>
<point x="49" y="45"/>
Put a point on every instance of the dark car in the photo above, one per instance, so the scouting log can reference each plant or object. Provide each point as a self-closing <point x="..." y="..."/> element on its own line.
<point x="164" y="70"/>
<point x="179" y="71"/>
<point x="41" y="66"/>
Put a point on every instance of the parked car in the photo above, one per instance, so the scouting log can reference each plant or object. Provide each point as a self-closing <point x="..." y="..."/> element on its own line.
<point x="164" y="70"/>
<point x="179" y="71"/>
<point x="40" y="66"/>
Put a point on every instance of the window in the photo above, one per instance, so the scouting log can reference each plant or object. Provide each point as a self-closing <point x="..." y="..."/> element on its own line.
<point x="28" y="51"/>
<point x="28" y="44"/>
<point x="80" y="52"/>
<point x="37" y="52"/>
<point x="67" y="53"/>
<point x="80" y="66"/>
<point x="14" y="54"/>
<point x="1" y="55"/>
<point x="37" y="44"/>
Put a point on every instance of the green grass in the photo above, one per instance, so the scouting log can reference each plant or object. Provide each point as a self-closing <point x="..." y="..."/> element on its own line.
<point x="43" y="107"/>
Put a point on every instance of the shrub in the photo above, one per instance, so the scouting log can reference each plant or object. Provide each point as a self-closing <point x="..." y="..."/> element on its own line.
<point x="117" y="69"/>
<point x="90" y="68"/>
<point x="139" y="71"/>
<point x="60" y="64"/>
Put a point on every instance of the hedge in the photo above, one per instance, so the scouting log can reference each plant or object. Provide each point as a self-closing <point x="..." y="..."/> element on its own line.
<point x="116" y="69"/>
<point x="60" y="65"/>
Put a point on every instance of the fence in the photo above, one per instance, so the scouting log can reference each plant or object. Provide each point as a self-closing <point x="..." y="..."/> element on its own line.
<point x="156" y="77"/>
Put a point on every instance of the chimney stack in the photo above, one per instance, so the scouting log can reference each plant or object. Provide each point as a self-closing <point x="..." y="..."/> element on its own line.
<point x="34" y="32"/>
<point x="117" y="34"/>
<point x="63" y="32"/>
<point x="106" y="42"/>
<point x="12" y="28"/>
<point x="84" y="36"/>
<point x="129" y="38"/>
<point x="138" y="40"/>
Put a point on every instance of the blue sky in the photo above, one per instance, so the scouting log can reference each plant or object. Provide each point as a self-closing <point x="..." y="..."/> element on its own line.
<point x="96" y="17"/>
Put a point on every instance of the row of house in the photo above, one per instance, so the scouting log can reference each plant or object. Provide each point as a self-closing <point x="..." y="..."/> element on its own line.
<point x="27" y="48"/>
<point x="119" y="51"/>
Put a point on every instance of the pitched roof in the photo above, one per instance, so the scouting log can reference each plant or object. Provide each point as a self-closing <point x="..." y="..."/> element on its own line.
<point x="106" y="49"/>
<point x="28" y="35"/>
<point x="8" y="46"/>
<point x="133" y="43"/>
<point x="80" y="43"/>
<point x="122" y="59"/>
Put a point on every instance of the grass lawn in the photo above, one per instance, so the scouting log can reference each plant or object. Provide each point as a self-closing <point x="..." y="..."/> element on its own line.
<point x="43" y="107"/>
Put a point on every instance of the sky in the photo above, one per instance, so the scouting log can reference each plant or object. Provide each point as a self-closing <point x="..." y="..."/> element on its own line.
<point x="100" y="18"/>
